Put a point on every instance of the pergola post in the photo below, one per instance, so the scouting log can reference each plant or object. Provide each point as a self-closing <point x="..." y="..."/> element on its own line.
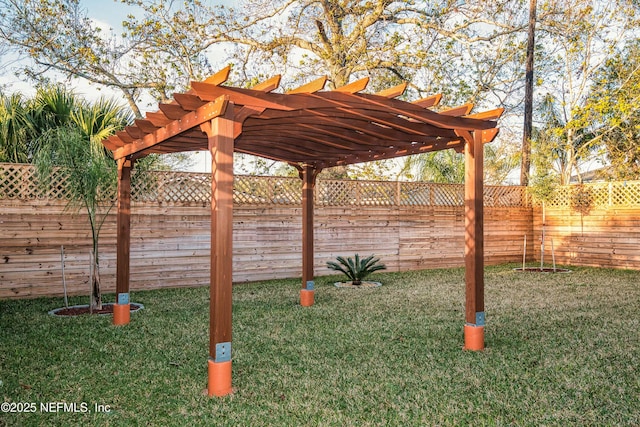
<point x="474" y="243"/>
<point x="121" y="309"/>
<point x="309" y="174"/>
<point x="221" y="144"/>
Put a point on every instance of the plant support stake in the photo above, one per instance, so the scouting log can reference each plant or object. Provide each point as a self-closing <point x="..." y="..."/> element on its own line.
<point x="524" y="252"/>
<point x="64" y="280"/>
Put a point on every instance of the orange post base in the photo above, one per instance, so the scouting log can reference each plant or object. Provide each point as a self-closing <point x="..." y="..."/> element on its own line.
<point x="473" y="337"/>
<point x="219" y="378"/>
<point x="306" y="297"/>
<point x="121" y="314"/>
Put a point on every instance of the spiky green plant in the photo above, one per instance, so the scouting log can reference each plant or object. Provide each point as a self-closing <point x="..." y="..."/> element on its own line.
<point x="355" y="268"/>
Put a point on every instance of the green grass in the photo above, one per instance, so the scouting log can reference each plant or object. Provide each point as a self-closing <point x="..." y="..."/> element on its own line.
<point x="562" y="349"/>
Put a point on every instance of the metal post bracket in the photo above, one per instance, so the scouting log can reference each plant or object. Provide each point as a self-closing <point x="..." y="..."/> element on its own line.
<point x="223" y="352"/>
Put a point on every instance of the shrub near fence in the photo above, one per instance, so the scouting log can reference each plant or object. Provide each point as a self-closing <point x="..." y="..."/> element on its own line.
<point x="409" y="225"/>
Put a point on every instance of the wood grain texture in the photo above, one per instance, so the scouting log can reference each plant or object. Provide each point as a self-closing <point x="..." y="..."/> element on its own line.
<point x="170" y="245"/>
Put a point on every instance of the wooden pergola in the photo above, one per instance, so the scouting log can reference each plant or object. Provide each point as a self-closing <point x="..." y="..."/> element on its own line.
<point x="310" y="129"/>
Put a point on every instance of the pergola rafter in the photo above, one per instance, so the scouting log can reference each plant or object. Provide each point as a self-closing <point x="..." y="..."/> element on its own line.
<point x="310" y="129"/>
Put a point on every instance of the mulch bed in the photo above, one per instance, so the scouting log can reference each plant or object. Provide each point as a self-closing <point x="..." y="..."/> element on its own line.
<point x="79" y="310"/>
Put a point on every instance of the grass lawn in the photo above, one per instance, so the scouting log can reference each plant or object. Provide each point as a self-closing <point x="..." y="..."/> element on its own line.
<point x="562" y="349"/>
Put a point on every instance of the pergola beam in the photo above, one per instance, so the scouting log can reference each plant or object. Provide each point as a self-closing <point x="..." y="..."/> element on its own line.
<point x="190" y="119"/>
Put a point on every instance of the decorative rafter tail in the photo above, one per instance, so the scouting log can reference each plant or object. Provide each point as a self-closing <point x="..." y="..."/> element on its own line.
<point x="429" y="101"/>
<point x="393" y="92"/>
<point x="310" y="87"/>
<point x="219" y="77"/>
<point x="461" y="110"/>
<point x="268" y="85"/>
<point x="158" y="118"/>
<point x="354" y="87"/>
<point x="487" y="115"/>
<point x="188" y="102"/>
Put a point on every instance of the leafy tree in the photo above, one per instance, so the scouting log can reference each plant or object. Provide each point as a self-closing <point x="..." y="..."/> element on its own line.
<point x="430" y="44"/>
<point x="15" y="129"/>
<point x="576" y="44"/>
<point x="559" y="146"/>
<point x="58" y="36"/>
<point x="612" y="111"/>
<point x="445" y="166"/>
<point x="171" y="42"/>
<point x="22" y="120"/>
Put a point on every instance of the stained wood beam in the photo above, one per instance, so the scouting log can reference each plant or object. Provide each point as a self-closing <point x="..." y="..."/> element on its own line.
<point x="462" y="110"/>
<point x="401" y="150"/>
<point x="426" y="116"/>
<point x="488" y="115"/>
<point x="254" y="98"/>
<point x="369" y="123"/>
<point x="188" y="121"/>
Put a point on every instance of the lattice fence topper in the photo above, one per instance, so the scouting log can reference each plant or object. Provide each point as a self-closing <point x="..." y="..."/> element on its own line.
<point x="20" y="182"/>
<point x="594" y="195"/>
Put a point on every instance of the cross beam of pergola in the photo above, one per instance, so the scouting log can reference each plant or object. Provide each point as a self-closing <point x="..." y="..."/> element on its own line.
<point x="310" y="129"/>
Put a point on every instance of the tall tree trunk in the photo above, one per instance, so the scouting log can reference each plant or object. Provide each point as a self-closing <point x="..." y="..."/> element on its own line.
<point x="528" y="98"/>
<point x="96" y="294"/>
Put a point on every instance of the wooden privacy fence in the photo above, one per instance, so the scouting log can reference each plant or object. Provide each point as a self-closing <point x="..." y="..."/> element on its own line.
<point x="594" y="224"/>
<point x="409" y="225"/>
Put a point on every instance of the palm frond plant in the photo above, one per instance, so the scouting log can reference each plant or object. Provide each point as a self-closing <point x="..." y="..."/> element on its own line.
<point x="356" y="269"/>
<point x="74" y="147"/>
